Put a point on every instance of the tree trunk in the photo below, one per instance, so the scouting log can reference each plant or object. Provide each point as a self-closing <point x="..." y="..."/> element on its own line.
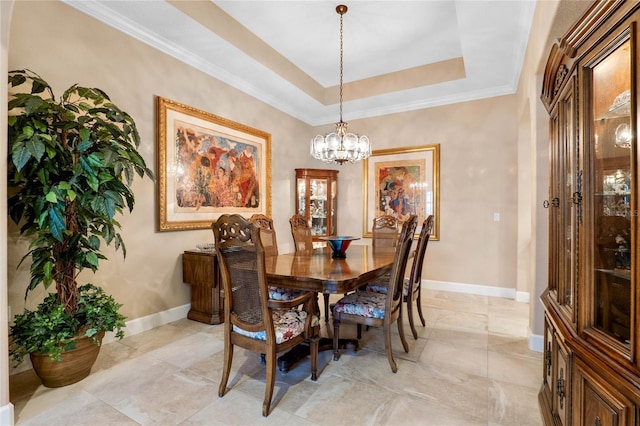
<point x="65" y="267"/>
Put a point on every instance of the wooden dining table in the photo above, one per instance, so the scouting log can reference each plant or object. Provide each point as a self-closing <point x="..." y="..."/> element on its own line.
<point x="319" y="272"/>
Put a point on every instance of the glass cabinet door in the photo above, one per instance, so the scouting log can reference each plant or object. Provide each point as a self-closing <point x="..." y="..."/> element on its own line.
<point x="569" y="199"/>
<point x="611" y="186"/>
<point x="301" y="197"/>
<point x="333" y="190"/>
<point x="563" y="203"/>
<point x="318" y="206"/>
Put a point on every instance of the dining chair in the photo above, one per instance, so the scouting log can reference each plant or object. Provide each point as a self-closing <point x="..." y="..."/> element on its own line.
<point x="267" y="233"/>
<point x="252" y="320"/>
<point x="303" y="241"/>
<point x="301" y="232"/>
<point x="385" y="234"/>
<point x="385" y="231"/>
<point x="379" y="309"/>
<point x="412" y="288"/>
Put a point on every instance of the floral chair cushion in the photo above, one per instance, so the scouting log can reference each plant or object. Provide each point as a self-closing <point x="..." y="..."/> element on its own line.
<point x="379" y="285"/>
<point x="362" y="303"/>
<point x="382" y="287"/>
<point x="288" y="323"/>
<point x="277" y="293"/>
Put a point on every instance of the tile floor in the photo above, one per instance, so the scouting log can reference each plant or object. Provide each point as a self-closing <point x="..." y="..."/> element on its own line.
<point x="469" y="366"/>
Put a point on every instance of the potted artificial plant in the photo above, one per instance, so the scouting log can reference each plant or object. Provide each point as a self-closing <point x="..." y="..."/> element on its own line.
<point x="72" y="161"/>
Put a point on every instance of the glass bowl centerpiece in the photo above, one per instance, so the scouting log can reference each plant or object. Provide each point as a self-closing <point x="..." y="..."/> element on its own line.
<point x="339" y="245"/>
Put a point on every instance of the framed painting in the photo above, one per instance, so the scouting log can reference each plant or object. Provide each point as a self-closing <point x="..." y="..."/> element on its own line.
<point x="207" y="166"/>
<point x="401" y="182"/>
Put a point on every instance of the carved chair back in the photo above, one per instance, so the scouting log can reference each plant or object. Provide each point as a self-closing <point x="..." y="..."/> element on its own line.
<point x="267" y="233"/>
<point x="301" y="233"/>
<point x="385" y="231"/>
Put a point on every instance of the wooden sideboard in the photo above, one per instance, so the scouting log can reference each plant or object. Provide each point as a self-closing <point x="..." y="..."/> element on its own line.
<point x="200" y="270"/>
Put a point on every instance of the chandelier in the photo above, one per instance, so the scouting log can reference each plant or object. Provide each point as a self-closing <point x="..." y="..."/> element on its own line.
<point x="339" y="146"/>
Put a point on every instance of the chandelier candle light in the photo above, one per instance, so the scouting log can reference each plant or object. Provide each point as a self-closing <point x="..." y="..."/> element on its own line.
<point x="339" y="146"/>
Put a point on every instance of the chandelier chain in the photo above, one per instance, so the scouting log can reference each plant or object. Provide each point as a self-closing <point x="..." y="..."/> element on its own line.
<point x="341" y="66"/>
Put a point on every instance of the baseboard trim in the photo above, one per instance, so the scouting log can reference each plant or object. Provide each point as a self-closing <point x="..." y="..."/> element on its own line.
<point x="6" y="414"/>
<point x="149" y="322"/>
<point x="536" y="342"/>
<point x="522" y="296"/>
<point x="478" y="289"/>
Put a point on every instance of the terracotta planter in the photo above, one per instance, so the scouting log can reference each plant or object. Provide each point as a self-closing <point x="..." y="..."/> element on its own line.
<point x="75" y="365"/>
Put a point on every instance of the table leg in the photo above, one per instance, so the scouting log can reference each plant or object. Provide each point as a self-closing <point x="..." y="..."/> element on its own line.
<point x="326" y="307"/>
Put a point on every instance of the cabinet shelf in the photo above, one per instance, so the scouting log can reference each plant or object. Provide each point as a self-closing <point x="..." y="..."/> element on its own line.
<point x="616" y="274"/>
<point x="618" y="109"/>
<point x="619" y="112"/>
<point x="612" y="194"/>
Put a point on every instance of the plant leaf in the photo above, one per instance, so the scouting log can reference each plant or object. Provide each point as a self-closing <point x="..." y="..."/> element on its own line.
<point x="51" y="197"/>
<point x="84" y="145"/>
<point x="92" y="259"/>
<point x="56" y="224"/>
<point x="20" y="155"/>
<point x="35" y="147"/>
<point x="48" y="269"/>
<point x="33" y="104"/>
<point x="94" y="242"/>
<point x="94" y="161"/>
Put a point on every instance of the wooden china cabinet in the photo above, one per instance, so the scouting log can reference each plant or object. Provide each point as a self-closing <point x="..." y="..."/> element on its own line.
<point x="591" y="371"/>
<point x="317" y="200"/>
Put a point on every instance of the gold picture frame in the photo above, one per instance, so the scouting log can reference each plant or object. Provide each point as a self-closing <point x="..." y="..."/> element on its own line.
<point x="207" y="166"/>
<point x="402" y="181"/>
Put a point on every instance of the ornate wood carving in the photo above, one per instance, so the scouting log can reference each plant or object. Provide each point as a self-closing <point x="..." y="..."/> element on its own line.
<point x="560" y="77"/>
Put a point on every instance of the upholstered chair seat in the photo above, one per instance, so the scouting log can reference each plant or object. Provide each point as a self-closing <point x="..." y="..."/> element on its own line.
<point x="287" y="324"/>
<point x="383" y="287"/>
<point x="280" y="293"/>
<point x="366" y="304"/>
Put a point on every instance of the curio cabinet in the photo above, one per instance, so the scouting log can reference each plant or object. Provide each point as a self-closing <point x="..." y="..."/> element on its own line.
<point x="317" y="200"/>
<point x="591" y="371"/>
